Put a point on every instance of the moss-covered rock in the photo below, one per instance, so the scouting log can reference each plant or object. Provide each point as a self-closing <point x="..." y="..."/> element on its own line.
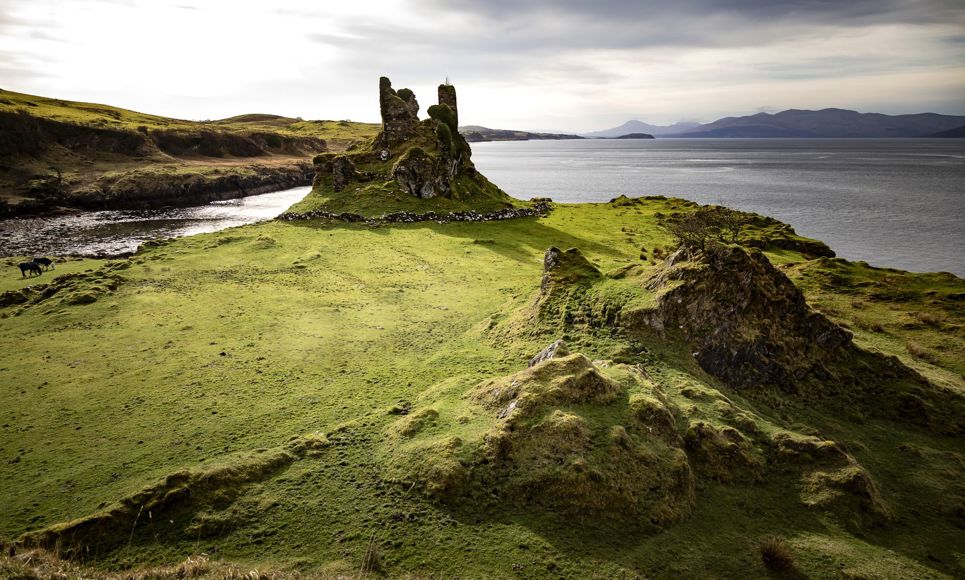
<point x="566" y="267"/>
<point x="849" y="494"/>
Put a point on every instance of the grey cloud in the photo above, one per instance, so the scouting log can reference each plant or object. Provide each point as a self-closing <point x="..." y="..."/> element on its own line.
<point x="545" y="26"/>
<point x="827" y="11"/>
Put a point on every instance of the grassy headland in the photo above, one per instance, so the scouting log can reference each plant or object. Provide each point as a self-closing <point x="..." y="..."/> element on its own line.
<point x="338" y="373"/>
<point x="63" y="154"/>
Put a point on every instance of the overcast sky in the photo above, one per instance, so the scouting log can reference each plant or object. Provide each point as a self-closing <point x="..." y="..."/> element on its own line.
<point x="539" y="64"/>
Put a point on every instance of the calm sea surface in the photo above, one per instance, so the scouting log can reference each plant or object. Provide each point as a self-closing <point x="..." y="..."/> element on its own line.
<point x="898" y="202"/>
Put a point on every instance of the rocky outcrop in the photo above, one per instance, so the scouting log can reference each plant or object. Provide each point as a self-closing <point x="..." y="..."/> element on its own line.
<point x="557" y="348"/>
<point x="744" y="322"/>
<point x="750" y="324"/>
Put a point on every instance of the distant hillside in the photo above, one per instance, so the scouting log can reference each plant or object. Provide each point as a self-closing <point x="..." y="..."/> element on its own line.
<point x="641" y="127"/>
<point x="477" y="134"/>
<point x="956" y="133"/>
<point x="59" y="154"/>
<point x="795" y="123"/>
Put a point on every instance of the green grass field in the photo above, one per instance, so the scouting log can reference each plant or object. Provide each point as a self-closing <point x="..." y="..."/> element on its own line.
<point x="97" y="115"/>
<point x="213" y="347"/>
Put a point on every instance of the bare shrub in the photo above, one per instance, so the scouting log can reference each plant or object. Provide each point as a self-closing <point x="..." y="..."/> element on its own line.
<point x="920" y="352"/>
<point x="929" y="319"/>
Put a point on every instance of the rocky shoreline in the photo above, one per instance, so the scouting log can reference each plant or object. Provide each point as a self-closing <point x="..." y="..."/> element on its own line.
<point x="539" y="209"/>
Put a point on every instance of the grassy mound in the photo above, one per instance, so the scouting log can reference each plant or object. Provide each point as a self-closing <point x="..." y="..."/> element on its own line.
<point x="563" y="436"/>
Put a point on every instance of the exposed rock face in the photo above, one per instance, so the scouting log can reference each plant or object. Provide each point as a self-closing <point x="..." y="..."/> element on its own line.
<point x="750" y="324"/>
<point x="343" y="171"/>
<point x="558" y="348"/>
<point x="400" y="119"/>
<point x="418" y="174"/>
<point x="751" y="327"/>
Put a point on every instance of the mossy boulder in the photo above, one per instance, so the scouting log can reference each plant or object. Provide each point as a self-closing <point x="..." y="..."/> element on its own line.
<point x="724" y="454"/>
<point x="848" y="494"/>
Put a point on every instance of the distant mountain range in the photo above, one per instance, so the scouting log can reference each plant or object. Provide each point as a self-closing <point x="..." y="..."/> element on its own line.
<point x="796" y="123"/>
<point x="790" y="124"/>
<point x="635" y="126"/>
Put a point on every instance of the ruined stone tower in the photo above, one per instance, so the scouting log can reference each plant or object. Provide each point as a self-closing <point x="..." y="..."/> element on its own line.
<point x="447" y="96"/>
<point x="400" y="114"/>
<point x="424" y="158"/>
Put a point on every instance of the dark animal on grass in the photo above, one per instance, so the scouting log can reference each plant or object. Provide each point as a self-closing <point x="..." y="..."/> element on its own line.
<point x="47" y="263"/>
<point x="32" y="267"/>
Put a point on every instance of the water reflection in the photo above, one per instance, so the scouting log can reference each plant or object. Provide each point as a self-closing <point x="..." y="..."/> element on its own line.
<point x="102" y="233"/>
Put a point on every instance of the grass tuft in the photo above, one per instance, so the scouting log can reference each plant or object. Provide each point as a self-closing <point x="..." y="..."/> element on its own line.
<point x="776" y="554"/>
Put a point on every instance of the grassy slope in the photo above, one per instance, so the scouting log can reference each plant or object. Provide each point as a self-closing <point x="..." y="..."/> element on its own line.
<point x="219" y="344"/>
<point x="93" y="114"/>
